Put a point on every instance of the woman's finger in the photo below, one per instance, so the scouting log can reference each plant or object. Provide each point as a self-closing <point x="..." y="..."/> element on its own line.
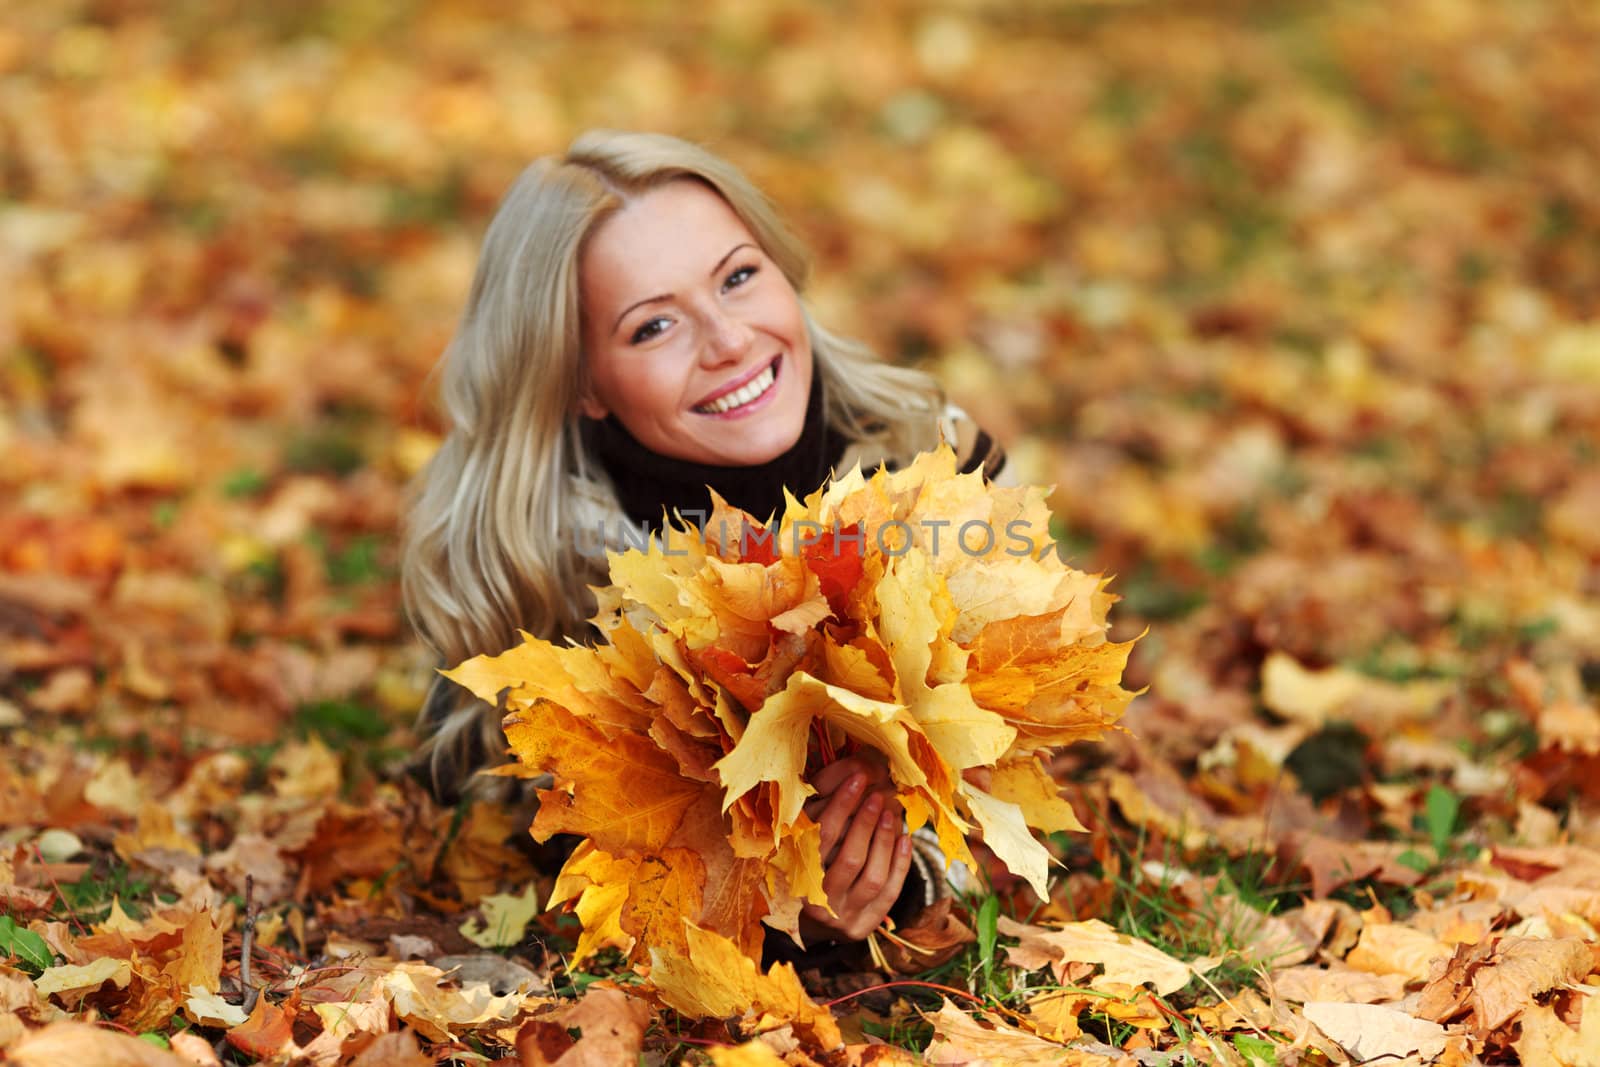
<point x="838" y="812"/>
<point x="873" y="880"/>
<point x="834" y="775"/>
<point x="845" y="866"/>
<point x="861" y="908"/>
<point x="898" y="869"/>
<point x="830" y="780"/>
<point x="868" y="911"/>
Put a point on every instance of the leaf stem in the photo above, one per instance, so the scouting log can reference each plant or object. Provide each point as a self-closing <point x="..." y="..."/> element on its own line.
<point x="72" y="912"/>
<point x="951" y="990"/>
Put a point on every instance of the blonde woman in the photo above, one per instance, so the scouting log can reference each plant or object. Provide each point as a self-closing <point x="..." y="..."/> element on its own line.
<point x="633" y="335"/>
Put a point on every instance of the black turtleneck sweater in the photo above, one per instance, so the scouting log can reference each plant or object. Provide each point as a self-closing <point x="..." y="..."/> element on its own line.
<point x="648" y="483"/>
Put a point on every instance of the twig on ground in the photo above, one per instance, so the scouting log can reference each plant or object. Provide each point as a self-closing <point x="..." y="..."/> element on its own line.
<point x="251" y="993"/>
<point x="72" y="913"/>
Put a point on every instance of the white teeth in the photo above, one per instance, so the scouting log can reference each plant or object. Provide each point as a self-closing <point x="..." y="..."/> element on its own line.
<point x="741" y="396"/>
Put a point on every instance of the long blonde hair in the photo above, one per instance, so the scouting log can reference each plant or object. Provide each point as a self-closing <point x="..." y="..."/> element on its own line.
<point x="487" y="550"/>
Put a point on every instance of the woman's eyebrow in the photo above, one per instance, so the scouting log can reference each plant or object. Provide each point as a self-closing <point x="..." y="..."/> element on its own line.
<point x="668" y="296"/>
<point x="639" y="304"/>
<point x="743" y="244"/>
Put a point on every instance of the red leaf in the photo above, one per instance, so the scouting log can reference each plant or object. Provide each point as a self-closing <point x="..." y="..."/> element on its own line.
<point x="835" y="558"/>
<point x="729" y="670"/>
<point x="757" y="545"/>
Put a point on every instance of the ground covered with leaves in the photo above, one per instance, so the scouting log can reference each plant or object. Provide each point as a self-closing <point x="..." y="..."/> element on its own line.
<point x="1296" y="304"/>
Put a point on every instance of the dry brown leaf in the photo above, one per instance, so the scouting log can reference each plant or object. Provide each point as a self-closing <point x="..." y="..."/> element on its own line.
<point x="267" y="1032"/>
<point x="1545" y="1040"/>
<point x="1337" y="983"/>
<point x="422" y="999"/>
<point x="932" y="938"/>
<point x="1522" y="969"/>
<point x="1333" y="863"/>
<point x="958" y="1038"/>
<point x="1368" y="1031"/>
<point x="1445" y="996"/>
<point x="1126" y="961"/>
<point x="1390" y="948"/>
<point x="74" y="1042"/>
<point x="611" y="1025"/>
<point x="20" y="997"/>
<point x="393" y="1050"/>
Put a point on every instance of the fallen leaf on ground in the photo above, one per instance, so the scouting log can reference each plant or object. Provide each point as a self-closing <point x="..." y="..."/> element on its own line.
<point x="1392" y="948"/>
<point x="1368" y="1031"/>
<point x="73" y="983"/>
<point x="505" y="919"/>
<point x="1544" y="1038"/>
<point x="79" y="1043"/>
<point x="1337" y="983"/>
<point x="959" y="1038"/>
<point x="715" y="980"/>
<point x="1498" y="982"/>
<point x="1126" y="960"/>
<point x="205" y="1008"/>
<point x="610" y="1026"/>
<point x="932" y="938"/>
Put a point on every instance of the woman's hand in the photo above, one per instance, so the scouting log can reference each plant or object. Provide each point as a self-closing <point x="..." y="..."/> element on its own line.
<point x="866" y="851"/>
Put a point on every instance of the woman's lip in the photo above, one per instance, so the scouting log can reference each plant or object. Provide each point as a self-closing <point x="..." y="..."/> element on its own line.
<point x="734" y="387"/>
<point x="744" y="410"/>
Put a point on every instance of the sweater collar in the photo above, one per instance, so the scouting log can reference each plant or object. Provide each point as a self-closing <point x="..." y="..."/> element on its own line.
<point x="647" y="482"/>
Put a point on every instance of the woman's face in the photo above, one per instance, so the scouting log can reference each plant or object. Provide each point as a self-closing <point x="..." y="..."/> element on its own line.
<point x="692" y="336"/>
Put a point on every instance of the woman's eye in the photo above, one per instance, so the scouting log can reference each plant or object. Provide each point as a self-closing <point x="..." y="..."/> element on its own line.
<point x="738" y="278"/>
<point x="649" y="329"/>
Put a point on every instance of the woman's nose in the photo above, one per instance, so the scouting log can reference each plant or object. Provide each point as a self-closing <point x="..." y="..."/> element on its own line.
<point x="728" y="338"/>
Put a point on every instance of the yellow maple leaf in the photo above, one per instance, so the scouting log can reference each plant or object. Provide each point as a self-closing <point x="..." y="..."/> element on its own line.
<point x="1006" y="832"/>
<point x="1025" y="783"/>
<point x="572" y="678"/>
<point x="910" y="625"/>
<point x="1127" y="961"/>
<point x="505" y="919"/>
<point x="621" y="791"/>
<point x="599" y="883"/>
<point x="855" y="666"/>
<point x="799" y="859"/>
<point x="773" y="748"/>
<point x="714" y="978"/>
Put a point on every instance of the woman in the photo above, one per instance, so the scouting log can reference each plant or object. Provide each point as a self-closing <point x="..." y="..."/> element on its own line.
<point x="634" y="335"/>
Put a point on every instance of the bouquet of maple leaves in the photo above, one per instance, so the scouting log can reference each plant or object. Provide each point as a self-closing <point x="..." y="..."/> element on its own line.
<point x="739" y="659"/>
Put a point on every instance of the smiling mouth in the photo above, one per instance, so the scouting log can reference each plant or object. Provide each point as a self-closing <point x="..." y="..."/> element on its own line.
<point x="748" y="393"/>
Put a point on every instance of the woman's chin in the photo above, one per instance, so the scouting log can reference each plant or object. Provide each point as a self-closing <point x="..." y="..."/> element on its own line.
<point x="755" y="453"/>
<point x="762" y="439"/>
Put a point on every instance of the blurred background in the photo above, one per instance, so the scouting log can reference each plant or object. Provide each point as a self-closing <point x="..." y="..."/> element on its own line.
<point x="1294" y="301"/>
